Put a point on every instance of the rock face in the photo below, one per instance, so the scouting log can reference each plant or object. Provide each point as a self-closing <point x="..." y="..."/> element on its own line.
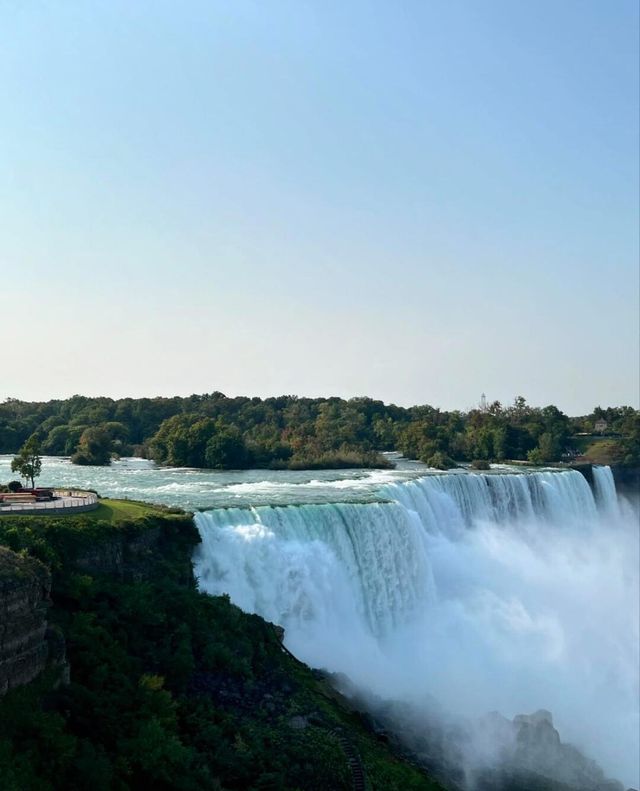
<point x="491" y="753"/>
<point x="27" y="643"/>
<point x="132" y="552"/>
<point x="539" y="749"/>
<point x="136" y="554"/>
<point x="627" y="481"/>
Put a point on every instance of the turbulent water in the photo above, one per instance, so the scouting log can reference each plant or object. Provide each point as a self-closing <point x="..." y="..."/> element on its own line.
<point x="509" y="591"/>
<point x="197" y="489"/>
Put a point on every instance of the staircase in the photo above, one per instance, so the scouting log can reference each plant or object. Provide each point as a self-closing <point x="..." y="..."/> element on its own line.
<point x="353" y="759"/>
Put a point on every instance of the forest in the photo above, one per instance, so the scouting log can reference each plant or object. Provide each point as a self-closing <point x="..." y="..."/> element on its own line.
<point x="216" y="432"/>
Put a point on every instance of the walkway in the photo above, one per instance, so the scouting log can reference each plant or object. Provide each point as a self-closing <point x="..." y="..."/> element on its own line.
<point x="66" y="500"/>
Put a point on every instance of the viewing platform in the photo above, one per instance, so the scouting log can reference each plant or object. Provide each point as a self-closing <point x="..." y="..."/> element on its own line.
<point x="63" y="501"/>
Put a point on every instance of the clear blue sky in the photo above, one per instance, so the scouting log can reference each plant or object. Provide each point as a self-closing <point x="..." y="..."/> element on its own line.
<point x="414" y="200"/>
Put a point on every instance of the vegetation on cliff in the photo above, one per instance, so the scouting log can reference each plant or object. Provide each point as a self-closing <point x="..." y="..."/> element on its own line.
<point x="213" y="431"/>
<point x="170" y="688"/>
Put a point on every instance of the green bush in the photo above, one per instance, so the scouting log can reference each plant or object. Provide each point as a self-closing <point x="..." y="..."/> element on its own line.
<point x="440" y="461"/>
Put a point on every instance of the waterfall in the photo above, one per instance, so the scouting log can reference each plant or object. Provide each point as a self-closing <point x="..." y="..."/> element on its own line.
<point x="301" y="563"/>
<point x="450" y="502"/>
<point x="508" y="591"/>
<point x="296" y="564"/>
<point x="605" y="490"/>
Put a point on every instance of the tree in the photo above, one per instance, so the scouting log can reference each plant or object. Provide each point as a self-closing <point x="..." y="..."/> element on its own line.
<point x="28" y="462"/>
<point x="94" y="447"/>
<point x="550" y="446"/>
<point x="226" y="450"/>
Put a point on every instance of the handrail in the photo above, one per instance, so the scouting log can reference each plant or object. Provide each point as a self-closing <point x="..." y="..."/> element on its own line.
<point x="76" y="493"/>
<point x="85" y="499"/>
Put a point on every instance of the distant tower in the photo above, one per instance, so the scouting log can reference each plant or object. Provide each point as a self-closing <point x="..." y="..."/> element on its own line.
<point x="483" y="403"/>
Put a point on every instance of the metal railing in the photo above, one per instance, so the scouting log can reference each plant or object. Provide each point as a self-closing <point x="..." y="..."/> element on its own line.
<point x="76" y="493"/>
<point x="66" y="500"/>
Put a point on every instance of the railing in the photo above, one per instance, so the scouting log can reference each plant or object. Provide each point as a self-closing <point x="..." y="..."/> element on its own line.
<point x="76" y="493"/>
<point x="67" y="500"/>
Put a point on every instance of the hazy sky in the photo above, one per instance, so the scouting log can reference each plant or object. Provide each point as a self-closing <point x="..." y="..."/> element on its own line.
<point x="413" y="200"/>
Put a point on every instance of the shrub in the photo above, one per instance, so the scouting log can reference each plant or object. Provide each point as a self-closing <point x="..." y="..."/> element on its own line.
<point x="440" y="461"/>
<point x="535" y="456"/>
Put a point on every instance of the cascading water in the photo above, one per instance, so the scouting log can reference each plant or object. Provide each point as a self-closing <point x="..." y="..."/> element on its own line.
<point x="487" y="591"/>
<point x="605" y="491"/>
<point x="365" y="564"/>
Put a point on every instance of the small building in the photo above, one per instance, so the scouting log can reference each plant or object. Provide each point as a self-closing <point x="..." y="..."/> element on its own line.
<point x="600" y="426"/>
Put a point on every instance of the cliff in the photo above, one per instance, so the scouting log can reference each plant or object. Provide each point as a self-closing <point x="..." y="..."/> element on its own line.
<point x="26" y="643"/>
<point x="170" y="688"/>
<point x="627" y="480"/>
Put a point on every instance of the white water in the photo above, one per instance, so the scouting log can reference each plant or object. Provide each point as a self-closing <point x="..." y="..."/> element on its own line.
<point x="501" y="591"/>
<point x="512" y="592"/>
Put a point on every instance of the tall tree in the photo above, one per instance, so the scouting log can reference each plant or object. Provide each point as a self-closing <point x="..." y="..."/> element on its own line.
<point x="28" y="462"/>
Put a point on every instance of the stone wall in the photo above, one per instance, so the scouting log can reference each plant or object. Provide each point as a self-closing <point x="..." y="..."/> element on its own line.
<point x="25" y="585"/>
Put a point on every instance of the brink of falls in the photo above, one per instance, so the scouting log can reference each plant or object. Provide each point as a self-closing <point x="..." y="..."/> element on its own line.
<point x="510" y="592"/>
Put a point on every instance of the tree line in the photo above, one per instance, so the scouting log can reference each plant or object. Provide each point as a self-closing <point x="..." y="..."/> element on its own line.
<point x="287" y="432"/>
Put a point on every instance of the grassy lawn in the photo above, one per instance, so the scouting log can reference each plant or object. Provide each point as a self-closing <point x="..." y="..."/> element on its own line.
<point x="605" y="451"/>
<point x="111" y="511"/>
<point x="599" y="450"/>
<point x="119" y="510"/>
<point x="581" y="443"/>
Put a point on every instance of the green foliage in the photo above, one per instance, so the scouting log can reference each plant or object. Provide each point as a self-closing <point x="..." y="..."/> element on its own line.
<point x="62" y="440"/>
<point x="94" y="448"/>
<point x="170" y="688"/>
<point x="535" y="456"/>
<point x="609" y="451"/>
<point x="114" y="547"/>
<point x="622" y="442"/>
<point x="115" y="511"/>
<point x="630" y="442"/>
<point x="440" y="461"/>
<point x="493" y="434"/>
<point x="336" y="460"/>
<point x="550" y="446"/>
<point x="28" y="462"/>
<point x="213" y="431"/>
<point x="191" y="441"/>
<point x="226" y="450"/>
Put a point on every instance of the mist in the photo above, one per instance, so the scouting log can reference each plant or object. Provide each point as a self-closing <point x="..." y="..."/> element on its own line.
<point x="464" y="595"/>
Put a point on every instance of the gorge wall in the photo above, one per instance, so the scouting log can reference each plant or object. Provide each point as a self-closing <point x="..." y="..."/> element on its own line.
<point x="25" y="585"/>
<point x="133" y="552"/>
